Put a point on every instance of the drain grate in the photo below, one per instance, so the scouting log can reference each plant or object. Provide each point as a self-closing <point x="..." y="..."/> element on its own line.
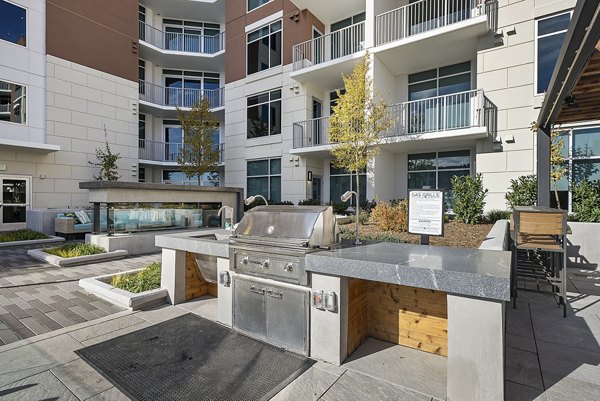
<point x="191" y="358"/>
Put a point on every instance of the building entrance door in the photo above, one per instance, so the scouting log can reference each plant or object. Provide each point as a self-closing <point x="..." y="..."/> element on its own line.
<point x="16" y="199"/>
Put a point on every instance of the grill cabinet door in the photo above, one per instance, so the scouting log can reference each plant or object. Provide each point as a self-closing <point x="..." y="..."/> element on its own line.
<point x="249" y="312"/>
<point x="287" y="317"/>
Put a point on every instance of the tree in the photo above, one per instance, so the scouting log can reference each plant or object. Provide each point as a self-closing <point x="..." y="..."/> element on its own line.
<point x="357" y="120"/>
<point x="558" y="167"/>
<point x="199" y="153"/>
<point x="107" y="161"/>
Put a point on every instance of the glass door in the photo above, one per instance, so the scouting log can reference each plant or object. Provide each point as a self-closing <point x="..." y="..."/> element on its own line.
<point x="16" y="194"/>
<point x="317" y="113"/>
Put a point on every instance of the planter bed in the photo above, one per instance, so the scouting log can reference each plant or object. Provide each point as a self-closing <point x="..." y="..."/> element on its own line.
<point x="50" y="240"/>
<point x="78" y="260"/>
<point x="101" y="287"/>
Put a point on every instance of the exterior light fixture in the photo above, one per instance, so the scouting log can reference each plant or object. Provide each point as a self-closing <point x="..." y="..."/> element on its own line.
<point x="309" y="176"/>
<point x="252" y="198"/>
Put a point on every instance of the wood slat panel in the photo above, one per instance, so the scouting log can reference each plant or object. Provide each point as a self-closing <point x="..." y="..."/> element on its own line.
<point x="357" y="313"/>
<point x="195" y="285"/>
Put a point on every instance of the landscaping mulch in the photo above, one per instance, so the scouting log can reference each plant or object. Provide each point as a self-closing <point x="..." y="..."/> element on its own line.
<point x="456" y="234"/>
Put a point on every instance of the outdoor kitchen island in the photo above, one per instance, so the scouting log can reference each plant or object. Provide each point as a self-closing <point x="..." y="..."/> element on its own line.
<point x="443" y="301"/>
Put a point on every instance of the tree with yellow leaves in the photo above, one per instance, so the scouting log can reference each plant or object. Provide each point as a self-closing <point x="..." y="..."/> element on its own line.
<point x="357" y="120"/>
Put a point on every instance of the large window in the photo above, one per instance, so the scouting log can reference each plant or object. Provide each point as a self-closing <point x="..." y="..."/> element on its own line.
<point x="341" y="180"/>
<point x="550" y="33"/>
<point x="176" y="177"/>
<point x="186" y="88"/>
<point x="582" y="151"/>
<point x="13" y="23"/>
<point x="13" y="103"/>
<point x="435" y="170"/>
<point x="264" y="48"/>
<point x="264" y="114"/>
<point x="252" y="4"/>
<point x="264" y="178"/>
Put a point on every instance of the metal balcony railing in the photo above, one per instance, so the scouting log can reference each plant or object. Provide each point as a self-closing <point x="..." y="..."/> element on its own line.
<point x="437" y="114"/>
<point x="329" y="47"/>
<point x="180" y="97"/>
<point x="4" y="86"/>
<point x="182" y="42"/>
<point x="167" y="151"/>
<point x="4" y="108"/>
<point x="427" y="15"/>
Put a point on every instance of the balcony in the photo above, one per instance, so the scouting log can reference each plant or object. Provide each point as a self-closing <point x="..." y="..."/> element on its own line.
<point x="465" y="115"/>
<point x="4" y="86"/>
<point x="170" y="98"/>
<point x="322" y="60"/>
<point x="436" y="30"/>
<point x="166" y="153"/>
<point x="182" y="49"/>
<point x="4" y="108"/>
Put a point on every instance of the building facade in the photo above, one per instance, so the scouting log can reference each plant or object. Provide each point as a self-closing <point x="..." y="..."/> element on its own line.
<point x="464" y="80"/>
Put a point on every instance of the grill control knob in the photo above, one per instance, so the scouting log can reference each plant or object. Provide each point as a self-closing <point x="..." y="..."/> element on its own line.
<point x="289" y="267"/>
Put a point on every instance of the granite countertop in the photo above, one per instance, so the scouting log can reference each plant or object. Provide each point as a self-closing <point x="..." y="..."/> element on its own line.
<point x="192" y="241"/>
<point x="472" y="272"/>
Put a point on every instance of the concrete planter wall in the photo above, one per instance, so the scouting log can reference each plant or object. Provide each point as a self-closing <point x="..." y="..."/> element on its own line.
<point x="583" y="245"/>
<point x="39" y="254"/>
<point x="101" y="287"/>
<point x="51" y="240"/>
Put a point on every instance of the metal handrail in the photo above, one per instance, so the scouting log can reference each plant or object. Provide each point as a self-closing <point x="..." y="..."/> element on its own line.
<point x="180" y="97"/>
<point x="437" y="114"/>
<point x="167" y="151"/>
<point x="329" y="47"/>
<point x="426" y="15"/>
<point x="182" y="42"/>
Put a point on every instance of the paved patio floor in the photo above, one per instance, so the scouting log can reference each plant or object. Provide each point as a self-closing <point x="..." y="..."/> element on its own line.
<point x="36" y="298"/>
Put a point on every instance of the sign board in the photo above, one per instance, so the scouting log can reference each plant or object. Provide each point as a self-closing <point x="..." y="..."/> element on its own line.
<point x="426" y="212"/>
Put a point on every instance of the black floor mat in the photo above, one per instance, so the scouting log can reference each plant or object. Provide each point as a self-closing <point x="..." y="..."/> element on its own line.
<point x="191" y="358"/>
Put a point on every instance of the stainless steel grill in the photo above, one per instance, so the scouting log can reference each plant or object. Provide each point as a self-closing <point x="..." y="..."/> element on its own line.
<point x="266" y="252"/>
<point x="271" y="241"/>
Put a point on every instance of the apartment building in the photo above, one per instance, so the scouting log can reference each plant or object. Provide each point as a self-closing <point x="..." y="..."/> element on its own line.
<point x="464" y="78"/>
<point x="77" y="74"/>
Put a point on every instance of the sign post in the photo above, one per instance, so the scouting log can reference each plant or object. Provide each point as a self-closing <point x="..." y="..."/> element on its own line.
<point x="426" y="213"/>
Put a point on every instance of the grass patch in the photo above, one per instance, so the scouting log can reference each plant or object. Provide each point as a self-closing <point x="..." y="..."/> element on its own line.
<point x="74" y="250"/>
<point x="144" y="280"/>
<point x="371" y="237"/>
<point x="21" y="235"/>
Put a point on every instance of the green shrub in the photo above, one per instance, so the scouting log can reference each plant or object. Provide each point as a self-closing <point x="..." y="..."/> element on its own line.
<point x="21" y="235"/>
<point x="144" y="280"/>
<point x="391" y="217"/>
<point x="469" y="198"/>
<point x="522" y="191"/>
<point x="309" y="202"/>
<point x="586" y="202"/>
<point x="74" y="250"/>
<point x="379" y="237"/>
<point x="338" y="207"/>
<point x="495" y="215"/>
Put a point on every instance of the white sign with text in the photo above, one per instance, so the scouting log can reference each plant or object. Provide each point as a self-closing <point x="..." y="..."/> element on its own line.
<point x="426" y="212"/>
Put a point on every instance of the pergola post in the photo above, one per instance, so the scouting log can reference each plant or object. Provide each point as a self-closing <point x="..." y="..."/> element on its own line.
<point x="543" y="166"/>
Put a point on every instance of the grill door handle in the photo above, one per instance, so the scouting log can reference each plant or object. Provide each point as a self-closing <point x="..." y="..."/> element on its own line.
<point x="262" y="263"/>
<point x="273" y="294"/>
<point x="259" y="291"/>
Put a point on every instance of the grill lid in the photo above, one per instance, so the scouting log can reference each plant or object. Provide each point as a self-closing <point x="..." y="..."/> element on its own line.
<point x="301" y="226"/>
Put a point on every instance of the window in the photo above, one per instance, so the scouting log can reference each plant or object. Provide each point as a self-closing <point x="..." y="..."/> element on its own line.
<point x="252" y="4"/>
<point x="341" y="181"/>
<point x="173" y="139"/>
<point x="439" y="113"/>
<point x="142" y="19"/>
<point x="264" y="178"/>
<point x="550" y="33"/>
<point x="176" y="177"/>
<point x="264" y="114"/>
<point x="141" y="174"/>
<point x="435" y="170"/>
<point x="13" y="23"/>
<point x="582" y="152"/>
<point x="13" y="103"/>
<point x="264" y="48"/>
<point x="142" y="76"/>
<point x="186" y="88"/>
<point x="191" y="36"/>
<point x="142" y="130"/>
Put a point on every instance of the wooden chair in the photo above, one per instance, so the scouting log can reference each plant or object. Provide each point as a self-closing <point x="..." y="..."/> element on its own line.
<point x="543" y="235"/>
